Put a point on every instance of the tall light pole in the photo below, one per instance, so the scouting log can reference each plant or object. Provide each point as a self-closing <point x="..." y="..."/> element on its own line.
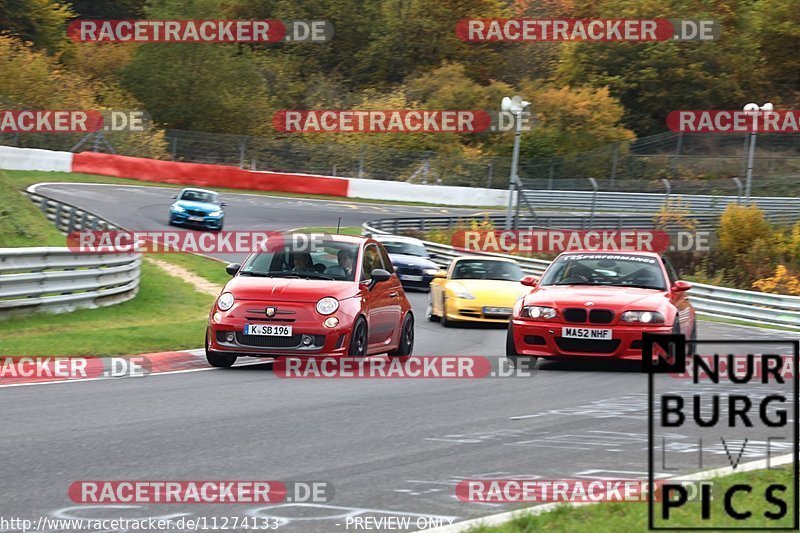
<point x="753" y="110"/>
<point x="515" y="105"/>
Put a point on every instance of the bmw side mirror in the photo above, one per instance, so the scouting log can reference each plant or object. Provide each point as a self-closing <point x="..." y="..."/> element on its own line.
<point x="379" y="275"/>
<point x="233" y="268"/>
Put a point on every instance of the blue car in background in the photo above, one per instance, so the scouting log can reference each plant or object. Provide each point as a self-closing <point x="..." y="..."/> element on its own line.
<point x="197" y="207"/>
<point x="410" y="259"/>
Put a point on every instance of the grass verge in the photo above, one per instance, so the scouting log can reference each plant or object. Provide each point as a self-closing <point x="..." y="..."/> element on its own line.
<point x="347" y="230"/>
<point x="21" y="222"/>
<point x="167" y="314"/>
<point x="615" y="517"/>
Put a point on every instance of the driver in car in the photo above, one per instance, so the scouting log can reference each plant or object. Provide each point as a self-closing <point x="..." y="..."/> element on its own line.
<point x="345" y="259"/>
<point x="303" y="263"/>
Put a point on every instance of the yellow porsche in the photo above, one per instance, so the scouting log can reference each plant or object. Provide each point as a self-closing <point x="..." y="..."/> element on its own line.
<point x="475" y="289"/>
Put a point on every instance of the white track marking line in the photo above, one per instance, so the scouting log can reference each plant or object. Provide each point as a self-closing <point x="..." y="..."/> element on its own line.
<point x="250" y="363"/>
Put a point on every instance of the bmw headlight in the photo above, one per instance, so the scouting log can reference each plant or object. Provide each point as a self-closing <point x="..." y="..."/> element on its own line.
<point x="461" y="292"/>
<point x="430" y="271"/>
<point x="215" y="214"/>
<point x="643" y="317"/>
<point x="225" y="301"/>
<point x="537" y="311"/>
<point x="327" y="305"/>
<point x="178" y="209"/>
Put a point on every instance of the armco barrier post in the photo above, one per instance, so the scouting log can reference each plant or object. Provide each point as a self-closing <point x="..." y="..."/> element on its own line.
<point x="71" y="221"/>
<point x="57" y="218"/>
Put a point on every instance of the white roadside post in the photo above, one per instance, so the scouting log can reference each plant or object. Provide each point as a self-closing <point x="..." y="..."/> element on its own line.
<point x="752" y="110"/>
<point x="517" y="106"/>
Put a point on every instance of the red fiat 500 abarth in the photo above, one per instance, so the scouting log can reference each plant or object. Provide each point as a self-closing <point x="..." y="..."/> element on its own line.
<point x="340" y="298"/>
<point x="599" y="304"/>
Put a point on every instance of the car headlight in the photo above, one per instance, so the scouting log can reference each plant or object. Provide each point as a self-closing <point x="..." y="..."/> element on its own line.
<point x="225" y="301"/>
<point x="538" y="311"/>
<point x="215" y="214"/>
<point x="178" y="209"/>
<point x="327" y="305"/>
<point x="430" y="271"/>
<point x="461" y="292"/>
<point x="643" y="317"/>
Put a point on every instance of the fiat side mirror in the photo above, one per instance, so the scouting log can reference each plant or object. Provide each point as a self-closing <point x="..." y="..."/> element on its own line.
<point x="233" y="268"/>
<point x="681" y="286"/>
<point x="529" y="281"/>
<point x="378" y="275"/>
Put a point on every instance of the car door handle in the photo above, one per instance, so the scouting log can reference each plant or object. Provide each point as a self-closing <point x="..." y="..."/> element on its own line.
<point x="394" y="294"/>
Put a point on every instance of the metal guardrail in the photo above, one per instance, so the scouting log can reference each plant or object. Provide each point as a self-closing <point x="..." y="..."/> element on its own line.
<point x="68" y="218"/>
<point x="59" y="280"/>
<point x="698" y="205"/>
<point x="573" y="222"/>
<point x="748" y="307"/>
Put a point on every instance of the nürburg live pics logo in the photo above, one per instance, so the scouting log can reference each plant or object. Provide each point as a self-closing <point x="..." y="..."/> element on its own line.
<point x="722" y="404"/>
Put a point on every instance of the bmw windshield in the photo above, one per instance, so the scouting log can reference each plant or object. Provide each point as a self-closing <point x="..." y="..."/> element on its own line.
<point x="624" y="270"/>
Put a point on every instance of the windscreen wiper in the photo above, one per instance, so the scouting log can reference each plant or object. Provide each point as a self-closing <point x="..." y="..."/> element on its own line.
<point x="271" y="274"/>
<point x="316" y="276"/>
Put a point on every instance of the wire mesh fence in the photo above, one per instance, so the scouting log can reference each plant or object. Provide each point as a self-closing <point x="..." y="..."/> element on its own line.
<point x="693" y="163"/>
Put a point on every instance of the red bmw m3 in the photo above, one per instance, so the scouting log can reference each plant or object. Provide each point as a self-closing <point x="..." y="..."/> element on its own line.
<point x="599" y="304"/>
<point x="339" y="297"/>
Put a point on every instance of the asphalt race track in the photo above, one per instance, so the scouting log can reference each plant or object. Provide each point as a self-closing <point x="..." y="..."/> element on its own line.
<point x="388" y="447"/>
<point x="147" y="209"/>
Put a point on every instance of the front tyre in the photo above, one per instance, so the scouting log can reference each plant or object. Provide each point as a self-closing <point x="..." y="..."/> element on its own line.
<point x="217" y="359"/>
<point x="406" y="345"/>
<point x="358" y="339"/>
<point x="446" y="322"/>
